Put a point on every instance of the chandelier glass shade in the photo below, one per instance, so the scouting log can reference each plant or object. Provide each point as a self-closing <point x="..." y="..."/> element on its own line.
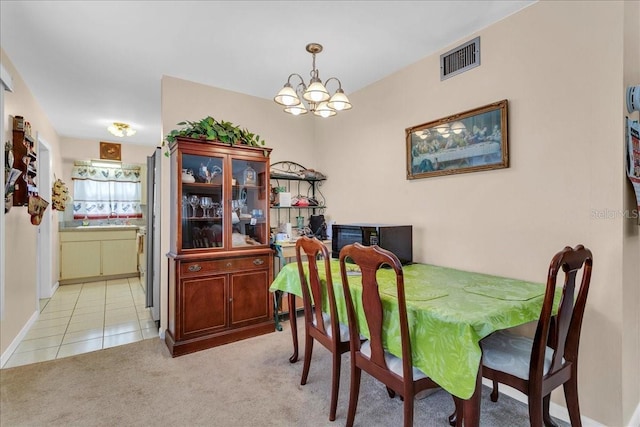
<point x="121" y="129"/>
<point x="319" y="101"/>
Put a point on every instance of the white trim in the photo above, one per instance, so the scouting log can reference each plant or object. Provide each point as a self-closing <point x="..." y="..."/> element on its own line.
<point x="18" y="339"/>
<point x="6" y="83"/>
<point x="555" y="410"/>
<point x="635" y="418"/>
<point x="44" y="248"/>
<point x="54" y="288"/>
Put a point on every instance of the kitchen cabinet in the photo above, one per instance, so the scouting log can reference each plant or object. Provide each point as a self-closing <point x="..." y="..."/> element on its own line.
<point x="119" y="256"/>
<point x="79" y="259"/>
<point x="220" y="260"/>
<point x="88" y="254"/>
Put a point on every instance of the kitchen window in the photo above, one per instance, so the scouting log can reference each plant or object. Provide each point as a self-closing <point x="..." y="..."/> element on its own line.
<point x="106" y="192"/>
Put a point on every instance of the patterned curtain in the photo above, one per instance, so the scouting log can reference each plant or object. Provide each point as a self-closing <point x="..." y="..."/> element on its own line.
<point x="106" y="192"/>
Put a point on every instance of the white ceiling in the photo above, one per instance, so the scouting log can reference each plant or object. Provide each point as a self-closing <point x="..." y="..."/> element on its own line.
<point x="90" y="63"/>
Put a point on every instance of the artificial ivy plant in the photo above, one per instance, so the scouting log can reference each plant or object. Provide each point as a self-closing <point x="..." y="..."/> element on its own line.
<point x="212" y="130"/>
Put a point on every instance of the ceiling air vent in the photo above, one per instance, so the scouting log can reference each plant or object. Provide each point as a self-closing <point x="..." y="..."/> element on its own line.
<point x="460" y="59"/>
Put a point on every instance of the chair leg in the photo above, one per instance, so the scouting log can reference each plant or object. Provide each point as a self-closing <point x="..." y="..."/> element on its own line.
<point x="353" y="395"/>
<point x="495" y="393"/>
<point x="391" y="393"/>
<point x="455" y="419"/>
<point x="545" y="412"/>
<point x="571" y="396"/>
<point x="335" y="384"/>
<point x="535" y="410"/>
<point x="408" y="411"/>
<point x="308" y="349"/>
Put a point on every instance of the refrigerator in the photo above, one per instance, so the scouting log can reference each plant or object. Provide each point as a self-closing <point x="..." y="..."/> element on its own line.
<point x="152" y="243"/>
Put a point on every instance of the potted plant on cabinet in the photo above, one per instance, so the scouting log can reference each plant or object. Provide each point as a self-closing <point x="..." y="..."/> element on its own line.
<point x="210" y="129"/>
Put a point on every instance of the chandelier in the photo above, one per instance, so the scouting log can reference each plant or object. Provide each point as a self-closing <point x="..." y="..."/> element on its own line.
<point x="121" y="129"/>
<point x="318" y="99"/>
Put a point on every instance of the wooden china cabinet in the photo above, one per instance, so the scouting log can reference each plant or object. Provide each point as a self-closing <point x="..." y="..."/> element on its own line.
<point x="220" y="263"/>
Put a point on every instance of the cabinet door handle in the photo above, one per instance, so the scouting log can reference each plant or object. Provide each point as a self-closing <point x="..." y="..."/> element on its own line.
<point x="228" y="264"/>
<point x="195" y="267"/>
<point x="258" y="261"/>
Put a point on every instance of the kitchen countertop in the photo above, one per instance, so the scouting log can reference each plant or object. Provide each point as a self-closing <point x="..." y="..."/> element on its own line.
<point x="99" y="228"/>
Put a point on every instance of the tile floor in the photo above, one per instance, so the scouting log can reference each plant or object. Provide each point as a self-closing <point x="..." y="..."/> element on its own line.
<point x="86" y="317"/>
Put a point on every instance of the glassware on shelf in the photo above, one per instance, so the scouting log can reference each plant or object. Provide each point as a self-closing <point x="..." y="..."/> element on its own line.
<point x="206" y="203"/>
<point x="185" y="206"/>
<point x="217" y="210"/>
<point x="194" y="201"/>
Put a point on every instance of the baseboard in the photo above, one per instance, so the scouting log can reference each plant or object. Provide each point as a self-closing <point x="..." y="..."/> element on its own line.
<point x="635" y="418"/>
<point x="555" y="410"/>
<point x="18" y="339"/>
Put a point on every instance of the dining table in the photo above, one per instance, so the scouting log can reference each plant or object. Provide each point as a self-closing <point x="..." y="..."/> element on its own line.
<point x="449" y="312"/>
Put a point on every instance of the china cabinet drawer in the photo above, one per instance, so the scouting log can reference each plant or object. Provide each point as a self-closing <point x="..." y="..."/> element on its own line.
<point x="223" y="265"/>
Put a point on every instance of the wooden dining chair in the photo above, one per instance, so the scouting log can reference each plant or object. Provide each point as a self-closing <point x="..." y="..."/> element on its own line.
<point x="539" y="365"/>
<point x="321" y="321"/>
<point x="397" y="374"/>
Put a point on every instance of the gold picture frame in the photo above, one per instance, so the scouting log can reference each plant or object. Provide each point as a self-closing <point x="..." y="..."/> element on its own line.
<point x="110" y="151"/>
<point x="475" y="140"/>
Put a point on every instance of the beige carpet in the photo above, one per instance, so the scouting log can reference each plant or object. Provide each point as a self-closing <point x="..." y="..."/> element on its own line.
<point x="248" y="383"/>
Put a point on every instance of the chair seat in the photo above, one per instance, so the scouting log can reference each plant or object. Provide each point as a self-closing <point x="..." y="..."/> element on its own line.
<point x="510" y="353"/>
<point x="344" y="329"/>
<point x="393" y="362"/>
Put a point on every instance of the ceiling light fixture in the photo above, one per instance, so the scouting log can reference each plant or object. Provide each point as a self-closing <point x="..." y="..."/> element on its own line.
<point x="318" y="99"/>
<point x="121" y="129"/>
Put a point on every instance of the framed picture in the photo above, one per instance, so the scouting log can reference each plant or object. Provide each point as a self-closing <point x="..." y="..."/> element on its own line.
<point x="110" y="151"/>
<point x="475" y="140"/>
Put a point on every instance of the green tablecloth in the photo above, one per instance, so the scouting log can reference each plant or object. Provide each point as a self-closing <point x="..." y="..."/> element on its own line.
<point x="449" y="312"/>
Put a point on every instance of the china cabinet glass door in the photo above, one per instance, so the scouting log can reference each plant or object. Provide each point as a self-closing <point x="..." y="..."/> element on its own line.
<point x="249" y="203"/>
<point x="202" y="201"/>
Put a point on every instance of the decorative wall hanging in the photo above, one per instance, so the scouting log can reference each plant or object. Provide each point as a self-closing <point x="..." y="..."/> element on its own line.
<point x="59" y="195"/>
<point x="37" y="206"/>
<point x="633" y="160"/>
<point x="110" y="151"/>
<point x="471" y="141"/>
